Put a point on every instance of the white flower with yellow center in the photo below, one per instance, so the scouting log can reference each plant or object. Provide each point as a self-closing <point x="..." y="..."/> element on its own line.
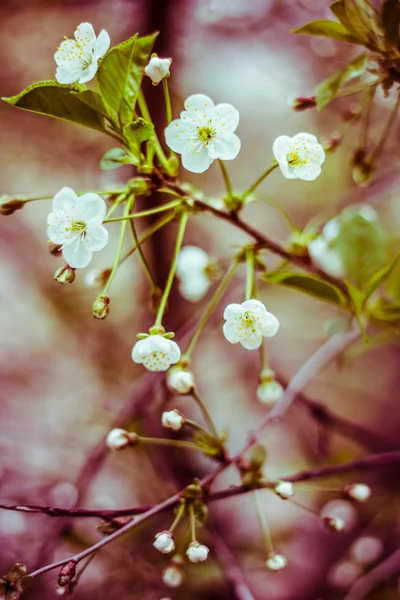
<point x="77" y="60"/>
<point x="76" y="223"/>
<point x="299" y="157"/>
<point x="156" y="353"/>
<point x="204" y="133"/>
<point x="191" y="270"/>
<point x="248" y="323"/>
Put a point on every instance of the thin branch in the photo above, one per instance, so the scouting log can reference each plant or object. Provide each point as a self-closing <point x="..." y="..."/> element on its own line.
<point x="384" y="571"/>
<point x="231" y="569"/>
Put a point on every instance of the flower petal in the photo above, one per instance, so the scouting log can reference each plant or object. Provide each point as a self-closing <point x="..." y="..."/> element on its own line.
<point x="232" y="311"/>
<point x="141" y="349"/>
<point x="66" y="76"/>
<point x="194" y="288"/>
<point x="254" y="306"/>
<point x="66" y="199"/>
<point x="180" y="136"/>
<point x="102" y="44"/>
<point x="230" y="333"/>
<point x="91" y="207"/>
<point x="174" y="352"/>
<point x="224" y="146"/>
<point x="326" y="258"/>
<point x="57" y="227"/>
<point x="96" y="238"/>
<point x="226" y="117"/>
<point x="281" y="147"/>
<point x="268" y="324"/>
<point x="76" y="254"/>
<point x="197" y="161"/>
<point x="85" y="34"/>
<point x="89" y="72"/>
<point x="191" y="260"/>
<point x="308" y="172"/>
<point x="198" y="102"/>
<point x="305" y="138"/>
<point x="287" y="171"/>
<point x="251" y="343"/>
<point x="331" y="230"/>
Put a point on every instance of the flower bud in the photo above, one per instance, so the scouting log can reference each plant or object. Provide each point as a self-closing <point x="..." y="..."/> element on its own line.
<point x="117" y="439"/>
<point x="173" y="419"/>
<point x="173" y="576"/>
<point x="360" y="492"/>
<point x="303" y="103"/>
<point x="180" y="381"/>
<point x="139" y="186"/>
<point x="158" y="68"/>
<point x="335" y="524"/>
<point x="275" y="562"/>
<point x="100" y="307"/>
<point x="164" y="542"/>
<point x="197" y="552"/>
<point x="284" y="489"/>
<point x="331" y="144"/>
<point x="97" y="278"/>
<point x="269" y="392"/>
<point x="65" y="274"/>
<point x="9" y="205"/>
<point x="67" y="573"/>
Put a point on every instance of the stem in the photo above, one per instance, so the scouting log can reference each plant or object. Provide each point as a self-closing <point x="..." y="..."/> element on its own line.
<point x="120" y="245"/>
<point x="168" y="109"/>
<point x="249" y="273"/>
<point x="168" y="442"/>
<point x="171" y="274"/>
<point x="178" y="517"/>
<point x="386" y="131"/>
<point x="260" y="180"/>
<point x="215" y="298"/>
<point x="367" y="115"/>
<point x="157" y="146"/>
<point x="114" y="206"/>
<point x="194" y="425"/>
<point x="227" y="180"/>
<point x="148" y="233"/>
<point x="263" y="522"/>
<point x="206" y="414"/>
<point x="146" y="213"/>
<point x="142" y="257"/>
<point x="192" y="523"/>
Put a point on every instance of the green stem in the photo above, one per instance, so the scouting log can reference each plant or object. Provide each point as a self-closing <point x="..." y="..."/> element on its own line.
<point x="148" y="233"/>
<point x="206" y="414"/>
<point x="263" y="522"/>
<point x="157" y="146"/>
<point x="196" y="426"/>
<point x="249" y="273"/>
<point x="214" y="300"/>
<point x="167" y="442"/>
<point x="386" y="131"/>
<point x="367" y="115"/>
<point x="260" y="180"/>
<point x="227" y="180"/>
<point x="120" y="245"/>
<point x="142" y="257"/>
<point x="178" y="517"/>
<point x="114" y="206"/>
<point x="179" y="239"/>
<point x="192" y="523"/>
<point x="146" y="213"/>
<point x="168" y="109"/>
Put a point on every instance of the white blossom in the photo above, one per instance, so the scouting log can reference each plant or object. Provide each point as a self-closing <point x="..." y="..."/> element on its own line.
<point x="173" y="419"/>
<point x="284" y="489"/>
<point x="360" y="492"/>
<point x="203" y="133"/>
<point x="269" y="392"/>
<point x="180" y="381"/>
<point x="172" y="577"/>
<point x="197" y="552"/>
<point x="276" y="562"/>
<point x="323" y="253"/>
<point x="117" y="439"/>
<point x="164" y="542"/>
<point x="334" y="523"/>
<point x="77" y="60"/>
<point x="248" y="322"/>
<point x="192" y="274"/>
<point x="158" y="68"/>
<point x="156" y="353"/>
<point x="76" y="223"/>
<point x="299" y="157"/>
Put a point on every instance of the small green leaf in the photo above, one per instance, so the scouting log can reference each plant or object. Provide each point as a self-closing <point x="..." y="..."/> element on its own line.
<point x="379" y="277"/>
<point x="121" y="72"/>
<point x="364" y="21"/>
<point x="357" y="298"/>
<point x="327" y="90"/>
<point x="390" y="19"/>
<point x="308" y="284"/>
<point x="55" y="100"/>
<point x="116" y="157"/>
<point x="329" y="29"/>
<point x="138" y="131"/>
<point x="339" y="10"/>
<point x="95" y="101"/>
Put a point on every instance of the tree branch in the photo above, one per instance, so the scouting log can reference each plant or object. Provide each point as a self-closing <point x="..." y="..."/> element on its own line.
<point x="384" y="571"/>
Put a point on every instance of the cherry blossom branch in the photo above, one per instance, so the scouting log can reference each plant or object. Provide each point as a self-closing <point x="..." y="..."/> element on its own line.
<point x="231" y="569"/>
<point x="384" y="571"/>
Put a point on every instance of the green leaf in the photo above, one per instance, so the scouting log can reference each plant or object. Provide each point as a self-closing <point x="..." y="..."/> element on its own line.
<point x="390" y="20"/>
<point x="55" y="100"/>
<point x="357" y="297"/>
<point x="360" y="245"/>
<point x="138" y="131"/>
<point x="116" y="157"/>
<point x="329" y="29"/>
<point x="120" y="74"/>
<point x="308" y="284"/>
<point x="379" y="277"/>
<point x="363" y="18"/>
<point x="95" y="101"/>
<point x="327" y="90"/>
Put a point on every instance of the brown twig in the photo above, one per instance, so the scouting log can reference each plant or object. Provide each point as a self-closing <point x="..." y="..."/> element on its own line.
<point x="384" y="571"/>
